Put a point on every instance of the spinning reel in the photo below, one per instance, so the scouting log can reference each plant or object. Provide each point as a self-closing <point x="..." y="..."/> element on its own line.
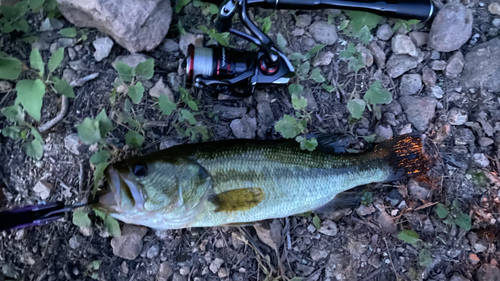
<point x="237" y="73"/>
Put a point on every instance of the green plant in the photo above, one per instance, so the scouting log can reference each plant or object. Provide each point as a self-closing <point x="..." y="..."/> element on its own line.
<point x="367" y="198"/>
<point x="206" y="8"/>
<point x="92" y="269"/>
<point x="453" y="215"/>
<point x="373" y="97"/>
<point x="30" y="93"/>
<point x="353" y="57"/>
<point x="360" y="25"/>
<point x="71" y="32"/>
<point x="411" y="237"/>
<point x="180" y="4"/>
<point x="406" y="24"/>
<point x="221" y="38"/>
<point x="14" y="18"/>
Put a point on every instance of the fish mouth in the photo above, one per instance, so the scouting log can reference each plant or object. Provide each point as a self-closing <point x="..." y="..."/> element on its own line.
<point x="123" y="193"/>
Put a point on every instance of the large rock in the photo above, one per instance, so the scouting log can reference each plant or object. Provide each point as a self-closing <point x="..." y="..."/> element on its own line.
<point x="129" y="244"/>
<point x="135" y="25"/>
<point x="397" y="65"/>
<point x="419" y="110"/>
<point x="482" y="67"/>
<point x="324" y="32"/>
<point x="451" y="28"/>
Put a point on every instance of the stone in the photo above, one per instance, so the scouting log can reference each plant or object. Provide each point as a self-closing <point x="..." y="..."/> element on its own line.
<point x="488" y="272"/>
<point x="363" y="210"/>
<point x="482" y="67"/>
<point x="215" y="265"/>
<point x="223" y="273"/>
<point x="74" y="242"/>
<point x="229" y="112"/>
<point x="129" y="245"/>
<point x="496" y="22"/>
<point x="297" y="32"/>
<point x="184" y="270"/>
<point x="161" y="89"/>
<point x="169" y="45"/>
<point x="455" y="65"/>
<point x="50" y="24"/>
<point x="77" y="65"/>
<point x="386" y="222"/>
<point x="429" y="77"/>
<point x="179" y="277"/>
<point x="474" y="259"/>
<point x="463" y="136"/>
<point x="165" y="271"/>
<point x="312" y="105"/>
<point x="265" y="117"/>
<point x="69" y="75"/>
<point x="403" y="45"/>
<point x="244" y="128"/>
<point x="153" y="251"/>
<point x="383" y="132"/>
<point x="305" y="269"/>
<point x="5" y="86"/>
<point x="131" y="60"/>
<point x="410" y="84"/>
<point x="437" y="92"/>
<point x="318" y="253"/>
<point x="43" y="188"/>
<point x="324" y="58"/>
<point x="457" y="116"/>
<point x="419" y="110"/>
<point x="329" y="228"/>
<point x="303" y="20"/>
<point x="323" y="32"/>
<point x="378" y="54"/>
<point x="62" y="43"/>
<point x="481" y="160"/>
<point x="397" y="65"/>
<point x="102" y="47"/>
<point x="72" y="143"/>
<point x="419" y="38"/>
<point x="417" y="190"/>
<point x="366" y="55"/>
<point x="451" y="28"/>
<point x="135" y="25"/>
<point x="484" y="141"/>
<point x="384" y="32"/>
<point x="438" y="65"/>
<point x="494" y="8"/>
<point x="187" y="39"/>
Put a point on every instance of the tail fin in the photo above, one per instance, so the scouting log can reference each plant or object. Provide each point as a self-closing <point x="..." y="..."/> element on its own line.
<point x="406" y="154"/>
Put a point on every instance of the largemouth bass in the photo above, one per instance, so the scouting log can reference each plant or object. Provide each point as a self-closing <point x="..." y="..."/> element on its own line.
<point x="243" y="181"/>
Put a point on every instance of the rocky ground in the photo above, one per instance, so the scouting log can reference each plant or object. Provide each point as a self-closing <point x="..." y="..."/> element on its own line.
<point x="444" y="78"/>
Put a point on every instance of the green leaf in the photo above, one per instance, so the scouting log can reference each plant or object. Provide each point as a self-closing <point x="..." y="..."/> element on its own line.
<point x="309" y="144"/>
<point x="112" y="226"/>
<point x="100" y="214"/>
<point x="100" y="157"/>
<point x="295" y="89"/>
<point x="441" y="211"/>
<point x="409" y="236"/>
<point x="34" y="149"/>
<point x="360" y="19"/>
<point x="98" y="173"/>
<point x="36" y="5"/>
<point x="125" y="72"/>
<point x="30" y="94"/>
<point x="134" y="139"/>
<point x="105" y="125"/>
<point x="68" y="32"/>
<point x="327" y="87"/>
<point x="36" y="135"/>
<point x="424" y="257"/>
<point x="145" y="69"/>
<point x="266" y="25"/>
<point x="298" y="103"/>
<point x="281" y="41"/>
<point x="56" y="59"/>
<point x="14" y="113"/>
<point x="367" y="198"/>
<point x="377" y="95"/>
<point x="94" y="265"/>
<point x="287" y="127"/>
<point x="463" y="221"/>
<point x="180" y="4"/>
<point x="343" y="25"/>
<point x="213" y="9"/>
<point x="365" y="35"/>
<point x="166" y="106"/>
<point x="10" y="68"/>
<point x="192" y="105"/>
<point x="356" y="107"/>
<point x="296" y="56"/>
<point x="187" y="115"/>
<point x="317" y="222"/>
<point x="81" y="219"/>
<point x="304" y="69"/>
<point x="317" y="48"/>
<point x="88" y="131"/>
<point x="64" y="88"/>
<point x="36" y="61"/>
<point x="370" y="138"/>
<point x="297" y="279"/>
<point x="136" y="92"/>
<point x="13" y="132"/>
<point x="317" y="76"/>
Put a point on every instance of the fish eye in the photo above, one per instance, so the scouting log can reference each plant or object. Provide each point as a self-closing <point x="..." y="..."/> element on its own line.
<point x="140" y="170"/>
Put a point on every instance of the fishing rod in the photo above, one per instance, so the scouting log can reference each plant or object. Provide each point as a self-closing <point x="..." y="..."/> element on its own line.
<point x="234" y="72"/>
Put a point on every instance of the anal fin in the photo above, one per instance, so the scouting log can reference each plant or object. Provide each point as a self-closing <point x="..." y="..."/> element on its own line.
<point x="238" y="199"/>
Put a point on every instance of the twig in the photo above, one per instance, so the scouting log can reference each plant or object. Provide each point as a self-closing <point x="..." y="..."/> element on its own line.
<point x="390" y="257"/>
<point x="80" y="81"/>
<point x="64" y="109"/>
<point x="81" y="178"/>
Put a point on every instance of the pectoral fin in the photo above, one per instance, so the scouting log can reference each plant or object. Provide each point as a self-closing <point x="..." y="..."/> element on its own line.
<point x="238" y="199"/>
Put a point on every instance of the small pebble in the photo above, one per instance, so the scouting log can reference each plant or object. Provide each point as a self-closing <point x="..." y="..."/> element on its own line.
<point x="484" y="141"/>
<point x="496" y="22"/>
<point x="481" y="160"/>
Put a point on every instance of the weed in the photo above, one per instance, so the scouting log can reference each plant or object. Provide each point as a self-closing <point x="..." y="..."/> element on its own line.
<point x="374" y="97"/>
<point x="453" y="215"/>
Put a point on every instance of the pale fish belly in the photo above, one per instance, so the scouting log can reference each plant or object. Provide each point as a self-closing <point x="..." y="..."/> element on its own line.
<point x="289" y="189"/>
